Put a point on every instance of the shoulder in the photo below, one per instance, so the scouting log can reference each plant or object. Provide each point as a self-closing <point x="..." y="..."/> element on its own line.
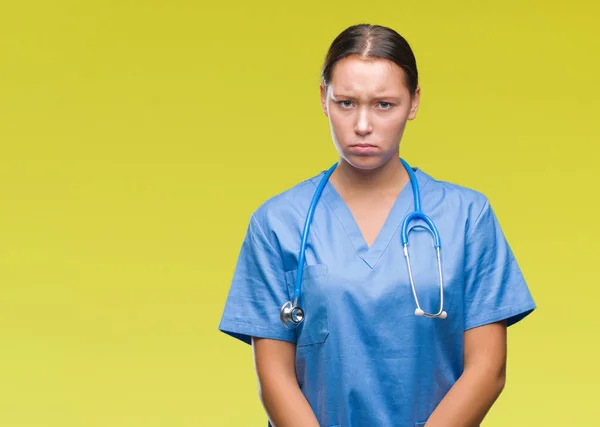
<point x="463" y="201"/>
<point x="287" y="209"/>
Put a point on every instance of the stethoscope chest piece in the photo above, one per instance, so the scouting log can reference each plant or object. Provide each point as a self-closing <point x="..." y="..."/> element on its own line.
<point x="291" y="315"/>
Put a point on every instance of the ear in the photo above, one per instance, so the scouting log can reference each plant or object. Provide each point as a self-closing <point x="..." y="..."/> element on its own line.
<point x="414" y="103"/>
<point x="323" y="91"/>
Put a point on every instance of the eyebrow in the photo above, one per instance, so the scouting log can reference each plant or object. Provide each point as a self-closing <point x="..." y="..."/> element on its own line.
<point x="379" y="97"/>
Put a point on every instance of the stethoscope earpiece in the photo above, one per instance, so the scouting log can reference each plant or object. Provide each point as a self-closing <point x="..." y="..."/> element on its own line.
<point x="291" y="316"/>
<point x="420" y="313"/>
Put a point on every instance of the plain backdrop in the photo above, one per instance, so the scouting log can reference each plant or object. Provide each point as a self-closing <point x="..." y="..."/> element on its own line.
<point x="137" y="137"/>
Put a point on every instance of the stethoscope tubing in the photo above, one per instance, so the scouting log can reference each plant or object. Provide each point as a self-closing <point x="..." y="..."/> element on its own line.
<point x="292" y="315"/>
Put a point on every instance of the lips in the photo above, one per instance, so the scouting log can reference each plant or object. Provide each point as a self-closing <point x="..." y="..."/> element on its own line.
<point x="363" y="146"/>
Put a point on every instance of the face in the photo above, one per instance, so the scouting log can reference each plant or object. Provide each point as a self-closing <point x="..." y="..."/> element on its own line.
<point x="368" y="104"/>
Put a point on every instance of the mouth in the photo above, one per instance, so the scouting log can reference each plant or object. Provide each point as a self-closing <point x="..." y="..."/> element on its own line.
<point x="363" y="145"/>
<point x="363" y="148"/>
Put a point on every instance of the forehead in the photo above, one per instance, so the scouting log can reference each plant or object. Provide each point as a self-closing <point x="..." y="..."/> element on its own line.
<point x="373" y="75"/>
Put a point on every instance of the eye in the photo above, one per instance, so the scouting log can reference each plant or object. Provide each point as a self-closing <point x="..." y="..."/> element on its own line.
<point x="385" y="105"/>
<point x="345" y="104"/>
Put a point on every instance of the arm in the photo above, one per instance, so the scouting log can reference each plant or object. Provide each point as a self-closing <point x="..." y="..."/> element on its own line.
<point x="279" y="392"/>
<point x="482" y="381"/>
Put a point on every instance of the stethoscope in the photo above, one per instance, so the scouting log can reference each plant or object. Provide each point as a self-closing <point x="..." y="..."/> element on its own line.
<point x="292" y="314"/>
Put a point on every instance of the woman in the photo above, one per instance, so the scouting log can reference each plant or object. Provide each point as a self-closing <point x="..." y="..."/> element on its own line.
<point x="379" y="343"/>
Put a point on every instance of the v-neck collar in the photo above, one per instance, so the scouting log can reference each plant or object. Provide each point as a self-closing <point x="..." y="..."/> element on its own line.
<point x="401" y="207"/>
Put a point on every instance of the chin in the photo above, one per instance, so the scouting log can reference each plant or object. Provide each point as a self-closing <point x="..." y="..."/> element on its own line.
<point x="364" y="162"/>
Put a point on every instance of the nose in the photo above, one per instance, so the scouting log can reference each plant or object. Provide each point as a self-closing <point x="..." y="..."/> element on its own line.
<point x="363" y="124"/>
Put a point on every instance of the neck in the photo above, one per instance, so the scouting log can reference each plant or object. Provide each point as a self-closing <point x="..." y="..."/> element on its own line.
<point x="388" y="178"/>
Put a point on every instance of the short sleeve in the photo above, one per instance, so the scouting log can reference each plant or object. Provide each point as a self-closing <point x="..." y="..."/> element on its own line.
<point x="257" y="291"/>
<point x="495" y="289"/>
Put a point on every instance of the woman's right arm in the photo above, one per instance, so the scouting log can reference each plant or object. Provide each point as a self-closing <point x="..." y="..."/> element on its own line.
<point x="278" y="386"/>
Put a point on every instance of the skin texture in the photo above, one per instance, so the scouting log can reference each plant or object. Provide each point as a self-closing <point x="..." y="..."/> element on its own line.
<point x="482" y="380"/>
<point x="279" y="392"/>
<point x="367" y="101"/>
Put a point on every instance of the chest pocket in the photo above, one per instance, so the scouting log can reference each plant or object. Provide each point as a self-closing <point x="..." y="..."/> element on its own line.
<point x="313" y="300"/>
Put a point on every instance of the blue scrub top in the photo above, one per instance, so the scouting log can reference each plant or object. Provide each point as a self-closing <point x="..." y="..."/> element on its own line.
<point x="362" y="356"/>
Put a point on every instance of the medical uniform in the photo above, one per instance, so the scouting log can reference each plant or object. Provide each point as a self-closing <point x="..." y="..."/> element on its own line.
<point x="362" y="356"/>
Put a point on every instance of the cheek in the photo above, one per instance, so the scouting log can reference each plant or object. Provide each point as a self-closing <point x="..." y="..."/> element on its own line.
<point x="390" y="125"/>
<point x="397" y="127"/>
<point x="341" y="124"/>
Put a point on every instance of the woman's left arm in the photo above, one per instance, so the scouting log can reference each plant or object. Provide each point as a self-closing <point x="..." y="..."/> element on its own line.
<point x="482" y="381"/>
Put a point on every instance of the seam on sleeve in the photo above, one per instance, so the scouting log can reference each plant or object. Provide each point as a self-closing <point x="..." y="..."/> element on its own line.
<point x="476" y="222"/>
<point x="249" y="325"/>
<point x="229" y="326"/>
<point x="255" y="221"/>
<point x="279" y="276"/>
<point x="502" y="314"/>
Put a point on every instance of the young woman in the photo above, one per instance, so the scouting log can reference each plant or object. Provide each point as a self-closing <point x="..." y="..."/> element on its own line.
<point x="397" y="315"/>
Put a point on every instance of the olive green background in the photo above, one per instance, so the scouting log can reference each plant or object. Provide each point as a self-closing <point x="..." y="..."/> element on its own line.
<point x="136" y="138"/>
